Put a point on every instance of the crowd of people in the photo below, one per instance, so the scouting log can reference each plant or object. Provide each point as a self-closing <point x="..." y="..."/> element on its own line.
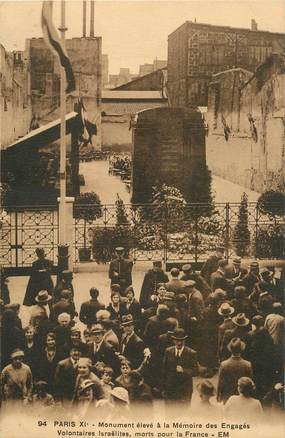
<point x="223" y="324"/>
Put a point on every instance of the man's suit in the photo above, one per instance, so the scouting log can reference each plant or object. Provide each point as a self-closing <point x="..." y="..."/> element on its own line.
<point x="88" y="311"/>
<point x="62" y="306"/>
<point x="65" y="377"/>
<point x="230" y="371"/>
<point x="104" y="354"/>
<point x="133" y="349"/>
<point x="123" y="267"/>
<point x="179" y="386"/>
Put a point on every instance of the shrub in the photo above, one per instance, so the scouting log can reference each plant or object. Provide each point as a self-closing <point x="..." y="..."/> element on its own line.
<point x="269" y="242"/>
<point x="241" y="235"/>
<point x="105" y="240"/>
<point x="272" y="202"/>
<point x="87" y="206"/>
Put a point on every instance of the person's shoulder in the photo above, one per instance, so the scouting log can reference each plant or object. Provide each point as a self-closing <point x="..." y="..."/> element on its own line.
<point x="190" y="350"/>
<point x="26" y="368"/>
<point x="170" y="350"/>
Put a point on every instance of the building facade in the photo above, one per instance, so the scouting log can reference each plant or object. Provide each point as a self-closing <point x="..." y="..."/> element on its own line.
<point x="197" y="51"/>
<point x="15" y="99"/>
<point x="246" y="126"/>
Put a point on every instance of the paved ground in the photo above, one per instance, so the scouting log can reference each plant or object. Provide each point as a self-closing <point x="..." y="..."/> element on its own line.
<point x="106" y="186"/>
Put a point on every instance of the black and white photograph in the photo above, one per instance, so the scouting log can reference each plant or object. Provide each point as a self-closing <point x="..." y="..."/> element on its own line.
<point x="142" y="218"/>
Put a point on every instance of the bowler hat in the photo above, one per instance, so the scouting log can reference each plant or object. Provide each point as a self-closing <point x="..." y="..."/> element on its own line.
<point x="254" y="265"/>
<point x="119" y="249"/>
<point x="236" y="345"/>
<point x="43" y="297"/>
<point x="186" y="268"/>
<point x="17" y="353"/>
<point x="41" y="384"/>
<point x="206" y="388"/>
<point x="225" y="309"/>
<point x="179" y="334"/>
<point x="240" y="320"/>
<point x="127" y="320"/>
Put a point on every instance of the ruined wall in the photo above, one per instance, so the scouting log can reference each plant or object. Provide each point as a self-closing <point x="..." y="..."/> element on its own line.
<point x="15" y="106"/>
<point x="197" y="51"/>
<point x="254" y="154"/>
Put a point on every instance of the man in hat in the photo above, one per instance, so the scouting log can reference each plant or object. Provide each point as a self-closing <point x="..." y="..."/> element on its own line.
<point x="225" y="310"/>
<point x="211" y="264"/>
<point x="218" y="278"/>
<point x="131" y="346"/>
<point x="40" y="278"/>
<point x="195" y="309"/>
<point x="17" y="379"/>
<point x="111" y="329"/>
<point x="152" y="278"/>
<point x="231" y="370"/>
<point x="40" y="312"/>
<point x="175" y="285"/>
<point x="236" y="271"/>
<point x="89" y="308"/>
<point x="120" y="270"/>
<point x="252" y="278"/>
<point x="179" y="367"/>
<point x="65" y="376"/>
<point x="201" y="283"/>
<point x="241" y="330"/>
<point x="99" y="351"/>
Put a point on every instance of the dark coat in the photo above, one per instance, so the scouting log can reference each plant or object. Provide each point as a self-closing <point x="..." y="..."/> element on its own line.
<point x="230" y="371"/>
<point x="88" y="311"/>
<point x="154" y="328"/>
<point x="105" y="354"/>
<point x="210" y="266"/>
<point x="123" y="267"/>
<point x="82" y="347"/>
<point x="117" y="316"/>
<point x="149" y="286"/>
<point x="65" y="378"/>
<point x="260" y="349"/>
<point x="40" y="279"/>
<point x="179" y="386"/>
<point x="133" y="350"/>
<point x="219" y="281"/>
<point x="62" y="306"/>
<point x="236" y="332"/>
<point x="249" y="281"/>
<point x="46" y="369"/>
<point x="244" y="305"/>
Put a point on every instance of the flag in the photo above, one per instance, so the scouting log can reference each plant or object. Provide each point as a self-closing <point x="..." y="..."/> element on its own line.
<point x="87" y="128"/>
<point x="52" y="38"/>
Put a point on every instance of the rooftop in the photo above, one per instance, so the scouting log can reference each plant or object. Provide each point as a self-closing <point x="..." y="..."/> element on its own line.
<point x="131" y="95"/>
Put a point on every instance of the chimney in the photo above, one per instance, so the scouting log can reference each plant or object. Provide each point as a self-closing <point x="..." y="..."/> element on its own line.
<point x="84" y="18"/>
<point x="253" y="25"/>
<point x="92" y="18"/>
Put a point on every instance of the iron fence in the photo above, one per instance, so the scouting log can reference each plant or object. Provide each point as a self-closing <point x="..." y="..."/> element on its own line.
<point x="189" y="234"/>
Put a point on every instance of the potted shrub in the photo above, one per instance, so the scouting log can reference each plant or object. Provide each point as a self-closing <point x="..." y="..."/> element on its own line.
<point x="87" y="206"/>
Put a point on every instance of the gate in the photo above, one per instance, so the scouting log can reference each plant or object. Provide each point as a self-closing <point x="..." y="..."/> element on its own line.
<point x="22" y="230"/>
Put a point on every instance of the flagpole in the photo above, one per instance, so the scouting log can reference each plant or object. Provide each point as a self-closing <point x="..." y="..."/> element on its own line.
<point x="62" y="204"/>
